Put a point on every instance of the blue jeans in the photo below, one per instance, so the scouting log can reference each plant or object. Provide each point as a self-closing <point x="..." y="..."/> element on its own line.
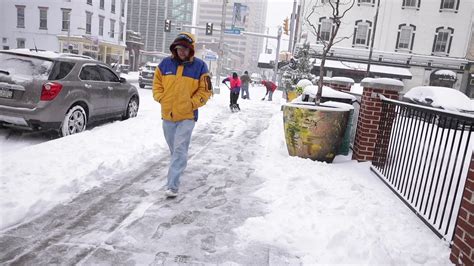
<point x="245" y="92"/>
<point x="178" y="137"/>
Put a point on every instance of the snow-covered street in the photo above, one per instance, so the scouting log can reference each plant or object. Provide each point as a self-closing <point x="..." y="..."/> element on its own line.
<point x="97" y="198"/>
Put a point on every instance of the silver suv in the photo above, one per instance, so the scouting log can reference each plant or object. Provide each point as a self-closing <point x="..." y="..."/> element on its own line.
<point x="42" y="90"/>
<point x="146" y="75"/>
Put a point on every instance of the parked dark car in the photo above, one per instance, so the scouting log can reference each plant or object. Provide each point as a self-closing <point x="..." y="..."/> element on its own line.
<point x="41" y="90"/>
<point x="146" y="74"/>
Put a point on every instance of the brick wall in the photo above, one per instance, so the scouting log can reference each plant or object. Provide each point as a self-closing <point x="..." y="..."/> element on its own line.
<point x="368" y="123"/>
<point x="462" y="250"/>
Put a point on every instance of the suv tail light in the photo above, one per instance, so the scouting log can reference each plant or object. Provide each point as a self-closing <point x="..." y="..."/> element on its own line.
<point x="50" y="90"/>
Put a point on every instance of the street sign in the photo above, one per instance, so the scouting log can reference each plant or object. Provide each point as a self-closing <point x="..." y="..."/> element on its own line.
<point x="232" y="31"/>
<point x="210" y="57"/>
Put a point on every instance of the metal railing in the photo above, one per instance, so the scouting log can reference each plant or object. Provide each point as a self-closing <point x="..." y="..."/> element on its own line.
<point x="423" y="155"/>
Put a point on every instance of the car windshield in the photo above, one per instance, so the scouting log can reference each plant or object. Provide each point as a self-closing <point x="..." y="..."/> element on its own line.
<point x="20" y="68"/>
<point x="151" y="68"/>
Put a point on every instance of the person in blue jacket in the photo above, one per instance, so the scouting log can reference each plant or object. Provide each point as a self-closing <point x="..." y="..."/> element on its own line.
<point x="181" y="85"/>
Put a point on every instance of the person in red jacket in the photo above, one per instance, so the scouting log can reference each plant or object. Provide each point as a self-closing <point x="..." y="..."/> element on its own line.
<point x="235" y="84"/>
<point x="271" y="87"/>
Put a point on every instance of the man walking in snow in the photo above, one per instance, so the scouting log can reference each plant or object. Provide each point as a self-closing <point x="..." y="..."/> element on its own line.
<point x="245" y="79"/>
<point x="181" y="85"/>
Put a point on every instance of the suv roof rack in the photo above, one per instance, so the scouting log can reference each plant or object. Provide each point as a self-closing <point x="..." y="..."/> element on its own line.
<point x="76" y="56"/>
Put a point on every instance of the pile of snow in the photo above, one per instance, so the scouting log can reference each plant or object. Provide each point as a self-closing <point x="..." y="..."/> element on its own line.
<point x="441" y="97"/>
<point x="343" y="79"/>
<point x="385" y="81"/>
<point x="303" y="83"/>
<point x="357" y="88"/>
<point x="445" y="72"/>
<point x="328" y="92"/>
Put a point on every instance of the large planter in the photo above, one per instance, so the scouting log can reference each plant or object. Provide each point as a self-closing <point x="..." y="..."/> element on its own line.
<point x="314" y="132"/>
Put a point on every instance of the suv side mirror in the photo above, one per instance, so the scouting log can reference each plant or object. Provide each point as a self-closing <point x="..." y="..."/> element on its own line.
<point x="123" y="80"/>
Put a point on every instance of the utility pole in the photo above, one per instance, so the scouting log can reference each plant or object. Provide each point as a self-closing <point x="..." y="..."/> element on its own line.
<point x="266" y="42"/>
<point x="277" y="56"/>
<point x="292" y="27"/>
<point x="367" y="73"/>
<point x="221" y="42"/>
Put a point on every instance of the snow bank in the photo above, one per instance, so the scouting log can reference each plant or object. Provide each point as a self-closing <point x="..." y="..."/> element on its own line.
<point x="446" y="98"/>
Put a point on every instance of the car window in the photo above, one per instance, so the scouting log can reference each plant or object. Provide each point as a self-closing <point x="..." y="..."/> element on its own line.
<point x="61" y="70"/>
<point x="90" y="73"/>
<point x="108" y="75"/>
<point x="23" y="67"/>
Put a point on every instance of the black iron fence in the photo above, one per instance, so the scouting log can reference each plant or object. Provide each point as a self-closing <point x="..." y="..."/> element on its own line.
<point x="423" y="155"/>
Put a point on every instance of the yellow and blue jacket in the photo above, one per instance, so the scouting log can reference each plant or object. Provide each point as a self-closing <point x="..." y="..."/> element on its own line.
<point x="181" y="88"/>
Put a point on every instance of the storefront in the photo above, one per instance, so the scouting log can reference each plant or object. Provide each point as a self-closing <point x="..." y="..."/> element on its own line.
<point x="103" y="51"/>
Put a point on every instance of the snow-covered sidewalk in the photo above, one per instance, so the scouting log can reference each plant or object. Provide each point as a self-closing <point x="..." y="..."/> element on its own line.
<point x="244" y="200"/>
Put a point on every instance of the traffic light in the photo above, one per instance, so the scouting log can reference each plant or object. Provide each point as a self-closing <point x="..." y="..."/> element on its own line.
<point x="209" y="27"/>
<point x="167" y="25"/>
<point x="285" y="26"/>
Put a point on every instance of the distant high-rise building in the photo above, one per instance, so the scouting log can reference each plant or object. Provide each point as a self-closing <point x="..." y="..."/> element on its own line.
<point x="241" y="51"/>
<point x="147" y="17"/>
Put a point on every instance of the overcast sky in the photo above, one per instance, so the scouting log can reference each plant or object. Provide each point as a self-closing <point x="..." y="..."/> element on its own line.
<point x="277" y="11"/>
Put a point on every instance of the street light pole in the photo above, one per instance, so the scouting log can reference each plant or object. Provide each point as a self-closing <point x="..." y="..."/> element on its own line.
<point x="277" y="56"/>
<point x="292" y="27"/>
<point x="221" y="41"/>
<point x="372" y="39"/>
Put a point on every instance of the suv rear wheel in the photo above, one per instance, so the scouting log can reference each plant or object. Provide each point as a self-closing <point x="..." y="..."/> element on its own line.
<point x="74" y="121"/>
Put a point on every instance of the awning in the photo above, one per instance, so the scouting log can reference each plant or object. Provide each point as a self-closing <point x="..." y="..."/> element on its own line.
<point x="387" y="71"/>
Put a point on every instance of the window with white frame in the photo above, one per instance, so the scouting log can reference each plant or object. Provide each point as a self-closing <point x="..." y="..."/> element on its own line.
<point x="112" y="28"/>
<point x="325" y="28"/>
<point x="121" y="31"/>
<point x="411" y="3"/>
<point x="89" y="2"/>
<point x="406" y="35"/>
<point x="112" y="7"/>
<point x="101" y="4"/>
<point x="66" y="19"/>
<point x="362" y="33"/>
<point x="20" y="43"/>
<point x="122" y="8"/>
<point x="442" y="41"/>
<point x="101" y="25"/>
<point x="448" y="4"/>
<point x="88" y="22"/>
<point x="20" y="16"/>
<point x="365" y="2"/>
<point x="43" y="18"/>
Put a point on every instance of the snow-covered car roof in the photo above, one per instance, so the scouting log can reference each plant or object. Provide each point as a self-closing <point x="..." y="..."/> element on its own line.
<point x="46" y="54"/>
<point x="440" y="97"/>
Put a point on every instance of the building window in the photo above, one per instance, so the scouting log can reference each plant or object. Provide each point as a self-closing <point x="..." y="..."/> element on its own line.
<point x="112" y="28"/>
<point x="88" y="22"/>
<point x="112" y="8"/>
<point x="101" y="25"/>
<point x="325" y="28"/>
<point x="442" y="41"/>
<point x="66" y="19"/>
<point x="101" y="4"/>
<point x="448" y="4"/>
<point x="6" y="47"/>
<point x="121" y="31"/>
<point x="43" y="18"/>
<point x="89" y="2"/>
<point x="366" y="2"/>
<point x="122" y="8"/>
<point x="20" y="43"/>
<point x="20" y="16"/>
<point x="4" y="40"/>
<point x="411" y="3"/>
<point x="406" y="35"/>
<point x="361" y="33"/>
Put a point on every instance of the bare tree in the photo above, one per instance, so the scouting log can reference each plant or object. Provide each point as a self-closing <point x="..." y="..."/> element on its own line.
<point x="339" y="9"/>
